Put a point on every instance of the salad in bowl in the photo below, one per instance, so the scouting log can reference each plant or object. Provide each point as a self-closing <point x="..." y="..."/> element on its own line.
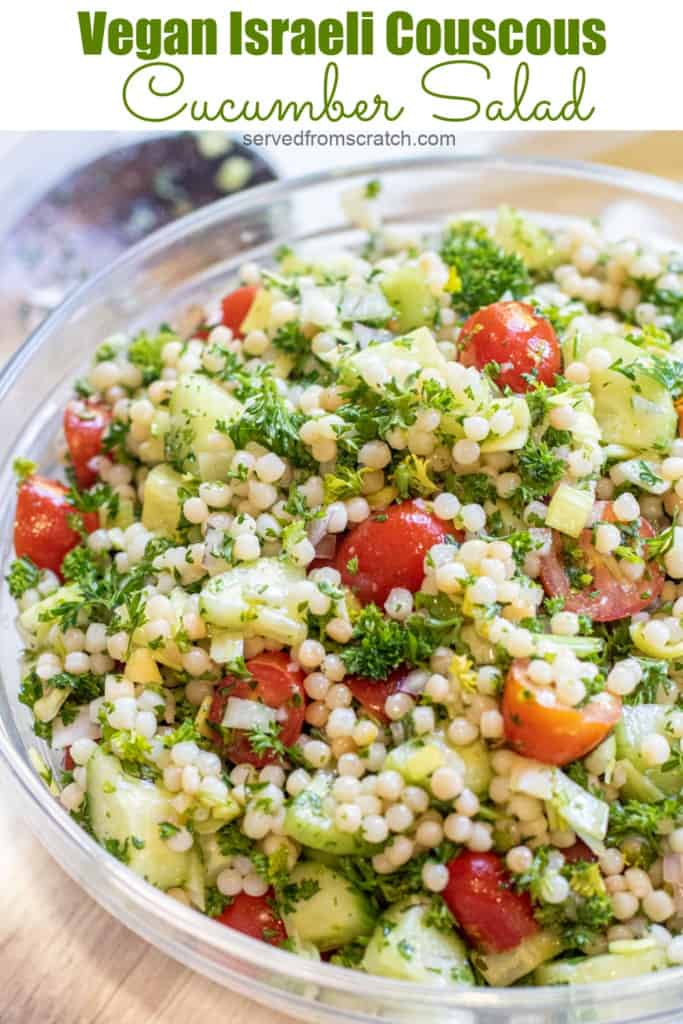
<point x="355" y="620"/>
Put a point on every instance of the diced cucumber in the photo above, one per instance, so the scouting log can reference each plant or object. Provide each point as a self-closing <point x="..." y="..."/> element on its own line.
<point x="214" y="860"/>
<point x="197" y="405"/>
<point x="160" y="503"/>
<point x="477" y="761"/>
<point x="515" y="438"/>
<point x="638" y="410"/>
<point x="634" y="472"/>
<point x="667" y="652"/>
<point x="572" y="805"/>
<point x="417" y="759"/>
<point x="569" y="509"/>
<point x="125" y="515"/>
<point x="517" y="234"/>
<point x="310" y="820"/>
<point x="409" y="293"/>
<point x="638" y="786"/>
<point x="128" y="812"/>
<point x="581" y="646"/>
<point x="47" y="707"/>
<point x="417" y="347"/>
<point x="403" y="945"/>
<point x="502" y="969"/>
<point x="195" y="885"/>
<point x="335" y="913"/>
<point x="33" y="630"/>
<point x="605" y="967"/>
<point x="637" y="722"/>
<point x="256" y="600"/>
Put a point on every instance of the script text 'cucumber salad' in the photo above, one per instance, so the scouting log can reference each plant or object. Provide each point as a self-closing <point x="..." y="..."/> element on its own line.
<point x="357" y="620"/>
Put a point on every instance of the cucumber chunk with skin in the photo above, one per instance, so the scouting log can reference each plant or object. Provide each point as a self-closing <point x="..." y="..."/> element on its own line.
<point x="581" y="646"/>
<point x="502" y="969"/>
<point x="629" y="405"/>
<point x="517" y="234"/>
<point x="160" y="503"/>
<point x="409" y="293"/>
<point x="403" y="945"/>
<point x="636" y="723"/>
<point x="324" y="908"/>
<point x="605" y="967"/>
<point x="638" y="786"/>
<point x="127" y="812"/>
<point x="309" y="820"/>
<point x="197" y="405"/>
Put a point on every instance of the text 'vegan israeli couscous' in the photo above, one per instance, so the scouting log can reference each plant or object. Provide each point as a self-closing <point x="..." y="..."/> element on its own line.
<point x="359" y="621"/>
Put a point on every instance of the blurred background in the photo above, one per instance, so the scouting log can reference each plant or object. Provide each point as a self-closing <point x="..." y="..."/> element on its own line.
<point x="72" y="201"/>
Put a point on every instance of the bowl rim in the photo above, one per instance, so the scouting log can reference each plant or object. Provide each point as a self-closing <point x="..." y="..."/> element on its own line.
<point x="123" y="884"/>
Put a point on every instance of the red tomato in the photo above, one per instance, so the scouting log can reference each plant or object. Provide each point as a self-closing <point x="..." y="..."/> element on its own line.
<point x="371" y="694"/>
<point x="480" y="896"/>
<point x="512" y="335"/>
<point x="236" y="305"/>
<point x="41" y="526"/>
<point x="390" y="548"/>
<point x="69" y="763"/>
<point x="275" y="684"/>
<point x="84" y="427"/>
<point x="255" y="916"/>
<point x="556" y="733"/>
<point x="577" y="851"/>
<point x="610" y="595"/>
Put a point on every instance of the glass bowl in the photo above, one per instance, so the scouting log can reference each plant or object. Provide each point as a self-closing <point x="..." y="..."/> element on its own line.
<point x="192" y="260"/>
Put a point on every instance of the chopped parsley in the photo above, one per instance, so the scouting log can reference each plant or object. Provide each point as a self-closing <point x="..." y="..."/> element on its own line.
<point x="23" y="575"/>
<point x="481" y="272"/>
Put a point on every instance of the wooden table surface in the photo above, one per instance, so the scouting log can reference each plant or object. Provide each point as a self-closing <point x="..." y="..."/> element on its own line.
<point x="63" y="959"/>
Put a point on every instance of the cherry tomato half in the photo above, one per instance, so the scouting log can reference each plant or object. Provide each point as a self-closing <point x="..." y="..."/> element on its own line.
<point x="371" y="694"/>
<point x="278" y="685"/>
<point x="610" y="594"/>
<point x="41" y="525"/>
<point x="512" y="335"/>
<point x="555" y="733"/>
<point x="389" y="549"/>
<point x="84" y="426"/>
<point x="236" y="305"/>
<point x="255" y="916"/>
<point x="480" y="896"/>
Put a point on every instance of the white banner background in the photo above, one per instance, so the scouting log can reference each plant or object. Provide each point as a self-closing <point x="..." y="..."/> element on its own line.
<point x="47" y="82"/>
